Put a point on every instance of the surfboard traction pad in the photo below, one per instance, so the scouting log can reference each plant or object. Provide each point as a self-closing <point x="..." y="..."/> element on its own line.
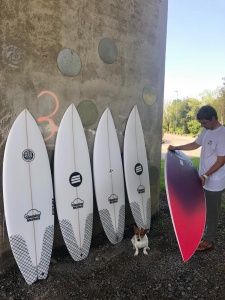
<point x="20" y="251"/>
<point x="75" y="251"/>
<point x="136" y="211"/>
<point x="114" y="237"/>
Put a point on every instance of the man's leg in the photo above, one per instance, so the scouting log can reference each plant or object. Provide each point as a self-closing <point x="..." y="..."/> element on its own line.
<point x="213" y="203"/>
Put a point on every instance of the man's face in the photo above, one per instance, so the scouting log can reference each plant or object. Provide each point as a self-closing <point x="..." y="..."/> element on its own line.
<point x="208" y="124"/>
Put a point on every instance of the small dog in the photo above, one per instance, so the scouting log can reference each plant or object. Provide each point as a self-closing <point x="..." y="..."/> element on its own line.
<point x="140" y="240"/>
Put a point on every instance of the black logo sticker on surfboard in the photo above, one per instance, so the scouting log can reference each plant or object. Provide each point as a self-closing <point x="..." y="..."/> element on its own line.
<point x="138" y="169"/>
<point x="141" y="189"/>
<point x="28" y="155"/>
<point x="32" y="215"/>
<point x="113" y="199"/>
<point x="75" y="179"/>
<point x="77" y="203"/>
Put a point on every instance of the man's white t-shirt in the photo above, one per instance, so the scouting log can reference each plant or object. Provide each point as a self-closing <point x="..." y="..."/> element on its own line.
<point x="213" y="145"/>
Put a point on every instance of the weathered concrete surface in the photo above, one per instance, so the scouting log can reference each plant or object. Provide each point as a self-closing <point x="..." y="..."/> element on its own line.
<point x="34" y="32"/>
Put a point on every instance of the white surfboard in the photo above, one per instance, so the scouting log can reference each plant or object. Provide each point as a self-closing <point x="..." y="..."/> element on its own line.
<point x="28" y="198"/>
<point x="73" y="185"/>
<point x="108" y="179"/>
<point x="136" y="171"/>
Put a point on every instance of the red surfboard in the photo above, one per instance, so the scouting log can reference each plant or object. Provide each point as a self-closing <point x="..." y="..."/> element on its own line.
<point x="186" y="201"/>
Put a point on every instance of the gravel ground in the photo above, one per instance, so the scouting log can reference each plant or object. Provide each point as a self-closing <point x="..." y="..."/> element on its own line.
<point x="113" y="272"/>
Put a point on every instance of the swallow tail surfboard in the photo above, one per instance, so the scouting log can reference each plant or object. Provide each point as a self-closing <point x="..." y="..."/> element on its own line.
<point x="108" y="179"/>
<point x="28" y="198"/>
<point x="186" y="201"/>
<point x="73" y="185"/>
<point x="136" y="171"/>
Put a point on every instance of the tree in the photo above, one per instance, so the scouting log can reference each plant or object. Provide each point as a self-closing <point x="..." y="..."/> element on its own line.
<point x="194" y="127"/>
<point x="169" y="116"/>
<point x="208" y="96"/>
<point x="180" y="116"/>
<point x="194" y="106"/>
<point x="216" y="98"/>
<point x="166" y="118"/>
<point x="187" y="111"/>
<point x="178" y="113"/>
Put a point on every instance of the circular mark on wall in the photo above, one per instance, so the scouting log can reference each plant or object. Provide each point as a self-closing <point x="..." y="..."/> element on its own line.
<point x="153" y="175"/>
<point x="107" y="50"/>
<point x="149" y="94"/>
<point x="12" y="56"/>
<point x="88" y="112"/>
<point x="69" y="62"/>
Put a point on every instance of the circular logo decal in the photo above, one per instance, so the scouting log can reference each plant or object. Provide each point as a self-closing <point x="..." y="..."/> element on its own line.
<point x="138" y="169"/>
<point x="28" y="155"/>
<point x="75" y="179"/>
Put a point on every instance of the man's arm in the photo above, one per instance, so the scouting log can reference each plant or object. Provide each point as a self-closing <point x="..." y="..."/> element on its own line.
<point x="186" y="147"/>
<point x="218" y="164"/>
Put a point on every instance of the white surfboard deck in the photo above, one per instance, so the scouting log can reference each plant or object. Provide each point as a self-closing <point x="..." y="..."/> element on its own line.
<point x="108" y="179"/>
<point x="73" y="185"/>
<point x="136" y="171"/>
<point x="28" y="198"/>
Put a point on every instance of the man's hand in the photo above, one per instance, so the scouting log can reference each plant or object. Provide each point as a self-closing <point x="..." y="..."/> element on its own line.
<point x="171" y="148"/>
<point x="202" y="180"/>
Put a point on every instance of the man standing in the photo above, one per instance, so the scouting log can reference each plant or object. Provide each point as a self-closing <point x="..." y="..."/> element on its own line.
<point x="211" y="168"/>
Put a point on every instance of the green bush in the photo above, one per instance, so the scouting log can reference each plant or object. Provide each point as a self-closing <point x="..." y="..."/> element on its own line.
<point x="194" y="127"/>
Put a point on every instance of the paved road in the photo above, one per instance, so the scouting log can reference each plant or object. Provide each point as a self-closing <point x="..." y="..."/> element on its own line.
<point x="173" y="139"/>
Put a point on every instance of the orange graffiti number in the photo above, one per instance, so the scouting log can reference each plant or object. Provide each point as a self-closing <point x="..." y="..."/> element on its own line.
<point x="47" y="118"/>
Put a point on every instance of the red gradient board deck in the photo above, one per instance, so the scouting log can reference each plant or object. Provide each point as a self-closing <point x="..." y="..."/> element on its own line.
<point x="186" y="201"/>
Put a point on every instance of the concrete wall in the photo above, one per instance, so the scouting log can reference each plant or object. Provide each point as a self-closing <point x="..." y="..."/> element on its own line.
<point x="95" y="54"/>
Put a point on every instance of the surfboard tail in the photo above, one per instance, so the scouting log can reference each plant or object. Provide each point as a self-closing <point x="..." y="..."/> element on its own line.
<point x="142" y="221"/>
<point x="77" y="253"/>
<point x="46" y="252"/>
<point x="23" y="259"/>
<point x="114" y="235"/>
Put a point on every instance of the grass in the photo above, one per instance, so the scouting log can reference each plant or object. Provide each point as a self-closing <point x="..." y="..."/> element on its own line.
<point x="195" y="161"/>
<point x="223" y="205"/>
<point x="162" y="178"/>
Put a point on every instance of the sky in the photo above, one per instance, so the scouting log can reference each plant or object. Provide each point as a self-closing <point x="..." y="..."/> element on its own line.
<point x="195" y="50"/>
